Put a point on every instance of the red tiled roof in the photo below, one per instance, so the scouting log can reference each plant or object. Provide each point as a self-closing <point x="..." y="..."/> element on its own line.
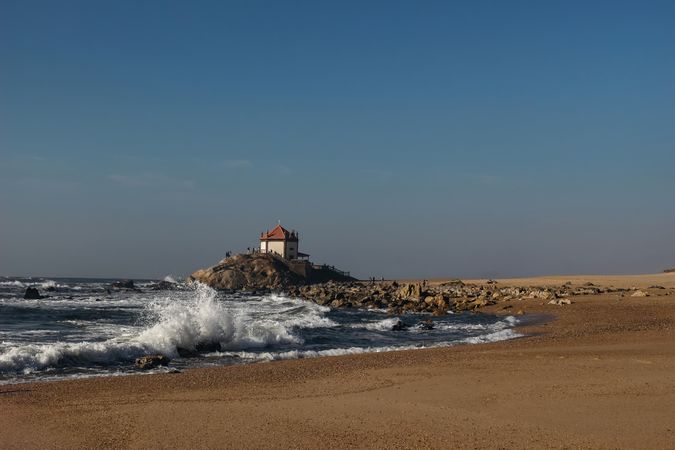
<point x="279" y="233"/>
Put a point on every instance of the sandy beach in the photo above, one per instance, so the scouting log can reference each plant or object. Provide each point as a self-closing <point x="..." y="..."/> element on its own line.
<point x="599" y="373"/>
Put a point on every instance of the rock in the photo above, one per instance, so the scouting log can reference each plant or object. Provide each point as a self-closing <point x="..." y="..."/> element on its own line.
<point x="152" y="361"/>
<point x="186" y="352"/>
<point x="426" y="325"/>
<point x="51" y="289"/>
<point x="32" y="294"/>
<point x="411" y="291"/>
<point x="560" y="302"/>
<point x="163" y="286"/>
<point x="261" y="271"/>
<point x="208" y="347"/>
<point x="656" y="287"/>
<point x="123" y="284"/>
<point x="202" y="347"/>
<point x="639" y="293"/>
<point x="399" y="326"/>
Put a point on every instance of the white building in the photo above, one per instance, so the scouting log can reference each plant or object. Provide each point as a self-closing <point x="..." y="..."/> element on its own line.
<point x="281" y="242"/>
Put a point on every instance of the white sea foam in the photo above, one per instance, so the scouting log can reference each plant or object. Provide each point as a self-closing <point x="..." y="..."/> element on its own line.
<point x="301" y="354"/>
<point x="16" y="283"/>
<point x="259" y="328"/>
<point x="170" y="279"/>
<point x="172" y="325"/>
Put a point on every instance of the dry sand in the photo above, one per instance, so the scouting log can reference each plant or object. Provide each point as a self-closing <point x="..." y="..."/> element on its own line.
<point x="601" y="375"/>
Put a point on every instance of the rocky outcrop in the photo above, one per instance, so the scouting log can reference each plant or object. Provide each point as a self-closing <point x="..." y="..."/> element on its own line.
<point x="123" y="284"/>
<point x="437" y="299"/>
<point x="639" y="293"/>
<point x="32" y="294"/>
<point x="152" y="361"/>
<point x="163" y="286"/>
<point x="260" y="271"/>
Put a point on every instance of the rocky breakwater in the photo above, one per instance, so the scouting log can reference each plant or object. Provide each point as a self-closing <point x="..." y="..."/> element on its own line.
<point x="261" y="271"/>
<point x="436" y="299"/>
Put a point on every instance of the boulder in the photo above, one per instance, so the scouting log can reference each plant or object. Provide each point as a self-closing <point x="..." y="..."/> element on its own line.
<point x="163" y="286"/>
<point x="426" y="324"/>
<point x="411" y="291"/>
<point x="399" y="326"/>
<point x="32" y="294"/>
<point x="639" y="293"/>
<point x="560" y="302"/>
<point x="152" y="361"/>
<point x="123" y="284"/>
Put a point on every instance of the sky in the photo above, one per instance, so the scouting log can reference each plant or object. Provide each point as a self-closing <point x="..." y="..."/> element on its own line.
<point x="401" y="139"/>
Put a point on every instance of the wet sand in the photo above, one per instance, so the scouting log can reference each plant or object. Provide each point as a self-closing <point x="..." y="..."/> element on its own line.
<point x="599" y="375"/>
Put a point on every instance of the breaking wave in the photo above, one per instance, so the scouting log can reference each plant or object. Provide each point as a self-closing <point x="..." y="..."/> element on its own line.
<point x="172" y="327"/>
<point x="86" y="330"/>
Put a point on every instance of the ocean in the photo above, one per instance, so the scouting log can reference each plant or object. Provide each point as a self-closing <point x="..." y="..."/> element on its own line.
<point x="85" y="329"/>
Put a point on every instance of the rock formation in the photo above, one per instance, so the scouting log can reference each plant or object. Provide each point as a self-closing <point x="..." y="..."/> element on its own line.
<point x="263" y="271"/>
<point x="32" y="294"/>
<point x="152" y="361"/>
<point x="437" y="299"/>
<point x="123" y="284"/>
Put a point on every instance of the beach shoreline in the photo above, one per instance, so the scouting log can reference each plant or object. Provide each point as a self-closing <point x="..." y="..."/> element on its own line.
<point x="598" y="375"/>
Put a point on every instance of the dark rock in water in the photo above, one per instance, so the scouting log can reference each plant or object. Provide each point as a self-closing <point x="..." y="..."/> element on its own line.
<point x="400" y="326"/>
<point x="187" y="353"/>
<point x="426" y="324"/>
<point x="51" y="289"/>
<point x="202" y="347"/>
<point x="206" y="347"/>
<point x="163" y="286"/>
<point x="152" y="361"/>
<point x="123" y="284"/>
<point x="32" y="294"/>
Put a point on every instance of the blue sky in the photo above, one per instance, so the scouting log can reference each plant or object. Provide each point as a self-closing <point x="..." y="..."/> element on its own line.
<point x="402" y="139"/>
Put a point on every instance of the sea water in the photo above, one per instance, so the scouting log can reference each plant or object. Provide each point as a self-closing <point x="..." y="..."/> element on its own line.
<point x="84" y="328"/>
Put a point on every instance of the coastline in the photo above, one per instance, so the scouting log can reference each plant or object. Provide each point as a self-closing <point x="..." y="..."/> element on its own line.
<point x="599" y="375"/>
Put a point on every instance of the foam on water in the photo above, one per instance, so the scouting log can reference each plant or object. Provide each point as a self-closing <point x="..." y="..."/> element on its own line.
<point x="96" y="331"/>
<point x="172" y="326"/>
<point x="379" y="325"/>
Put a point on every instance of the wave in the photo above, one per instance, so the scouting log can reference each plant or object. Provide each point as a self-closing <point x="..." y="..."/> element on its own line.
<point x="496" y="336"/>
<point x="380" y="325"/>
<point x="255" y="328"/>
<point x="16" y="283"/>
<point x="172" y="326"/>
